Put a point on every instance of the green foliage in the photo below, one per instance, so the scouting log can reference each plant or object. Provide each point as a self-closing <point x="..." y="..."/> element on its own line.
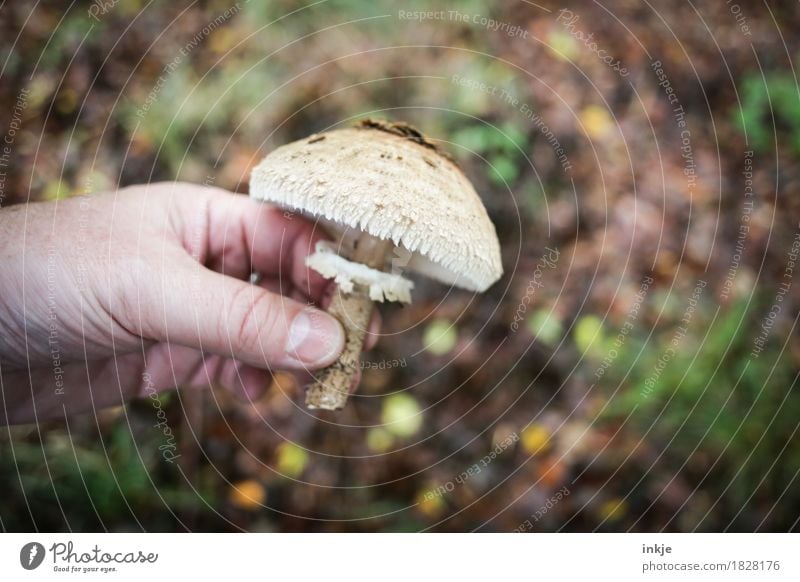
<point x="89" y="483"/>
<point x="182" y="113"/>
<point x="545" y="326"/>
<point x="763" y="98"/>
<point x="75" y="30"/>
<point x="502" y="146"/>
<point x="740" y="412"/>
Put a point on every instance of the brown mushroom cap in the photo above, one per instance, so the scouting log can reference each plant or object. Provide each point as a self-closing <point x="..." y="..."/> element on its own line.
<point x="387" y="180"/>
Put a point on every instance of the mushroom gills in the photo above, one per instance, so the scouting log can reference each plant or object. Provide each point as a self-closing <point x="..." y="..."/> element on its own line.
<point x="381" y="286"/>
<point x="380" y="181"/>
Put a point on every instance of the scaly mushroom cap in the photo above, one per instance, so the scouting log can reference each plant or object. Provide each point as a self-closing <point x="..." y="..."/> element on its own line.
<point x="388" y="180"/>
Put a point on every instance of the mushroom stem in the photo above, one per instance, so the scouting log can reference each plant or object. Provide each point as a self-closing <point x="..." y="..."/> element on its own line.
<point x="331" y="387"/>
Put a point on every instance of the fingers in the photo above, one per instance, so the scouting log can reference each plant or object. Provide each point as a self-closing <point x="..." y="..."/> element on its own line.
<point x="195" y="307"/>
<point x="170" y="366"/>
<point x="220" y="314"/>
<point x="373" y="330"/>
<point x="241" y="235"/>
<point x="246" y="382"/>
<point x="245" y="235"/>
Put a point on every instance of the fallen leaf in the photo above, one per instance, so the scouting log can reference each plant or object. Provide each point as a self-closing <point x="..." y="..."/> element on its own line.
<point x="291" y="459"/>
<point x="535" y="439"/>
<point x="401" y="415"/>
<point x="613" y="509"/>
<point x="545" y="327"/>
<point x="551" y="472"/>
<point x="596" y="121"/>
<point x="440" y="337"/>
<point x="379" y="440"/>
<point x="249" y="495"/>
<point x="429" y="504"/>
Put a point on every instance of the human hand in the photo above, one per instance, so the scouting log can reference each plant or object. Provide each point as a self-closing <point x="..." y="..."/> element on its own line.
<point x="106" y="297"/>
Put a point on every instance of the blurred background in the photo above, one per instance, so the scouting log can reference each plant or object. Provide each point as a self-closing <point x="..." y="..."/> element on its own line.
<point x="635" y="369"/>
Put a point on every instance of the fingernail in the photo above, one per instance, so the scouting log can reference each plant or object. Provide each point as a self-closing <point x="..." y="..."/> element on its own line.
<point x="315" y="338"/>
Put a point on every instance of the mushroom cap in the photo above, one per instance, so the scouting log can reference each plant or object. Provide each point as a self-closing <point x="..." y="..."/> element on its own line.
<point x="388" y="180"/>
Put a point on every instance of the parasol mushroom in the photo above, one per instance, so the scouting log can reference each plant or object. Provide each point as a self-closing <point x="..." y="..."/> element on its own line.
<point x="376" y="186"/>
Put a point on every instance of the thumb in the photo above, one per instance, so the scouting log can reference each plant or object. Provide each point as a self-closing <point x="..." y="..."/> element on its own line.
<point x="199" y="308"/>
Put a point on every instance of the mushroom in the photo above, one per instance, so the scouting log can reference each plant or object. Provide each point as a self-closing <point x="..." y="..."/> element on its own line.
<point x="394" y="200"/>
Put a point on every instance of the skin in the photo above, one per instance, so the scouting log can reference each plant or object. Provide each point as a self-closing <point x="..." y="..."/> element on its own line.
<point x="109" y="297"/>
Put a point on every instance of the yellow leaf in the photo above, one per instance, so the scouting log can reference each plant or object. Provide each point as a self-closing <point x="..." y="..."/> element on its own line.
<point x="596" y="121"/>
<point x="66" y="101"/>
<point x="249" y="495"/>
<point x="440" y="337"/>
<point x="428" y="503"/>
<point x="130" y="8"/>
<point x="562" y="45"/>
<point x="589" y="336"/>
<point x="223" y="39"/>
<point x="401" y="415"/>
<point x="292" y="460"/>
<point x="535" y="439"/>
<point x="379" y="440"/>
<point x="613" y="509"/>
